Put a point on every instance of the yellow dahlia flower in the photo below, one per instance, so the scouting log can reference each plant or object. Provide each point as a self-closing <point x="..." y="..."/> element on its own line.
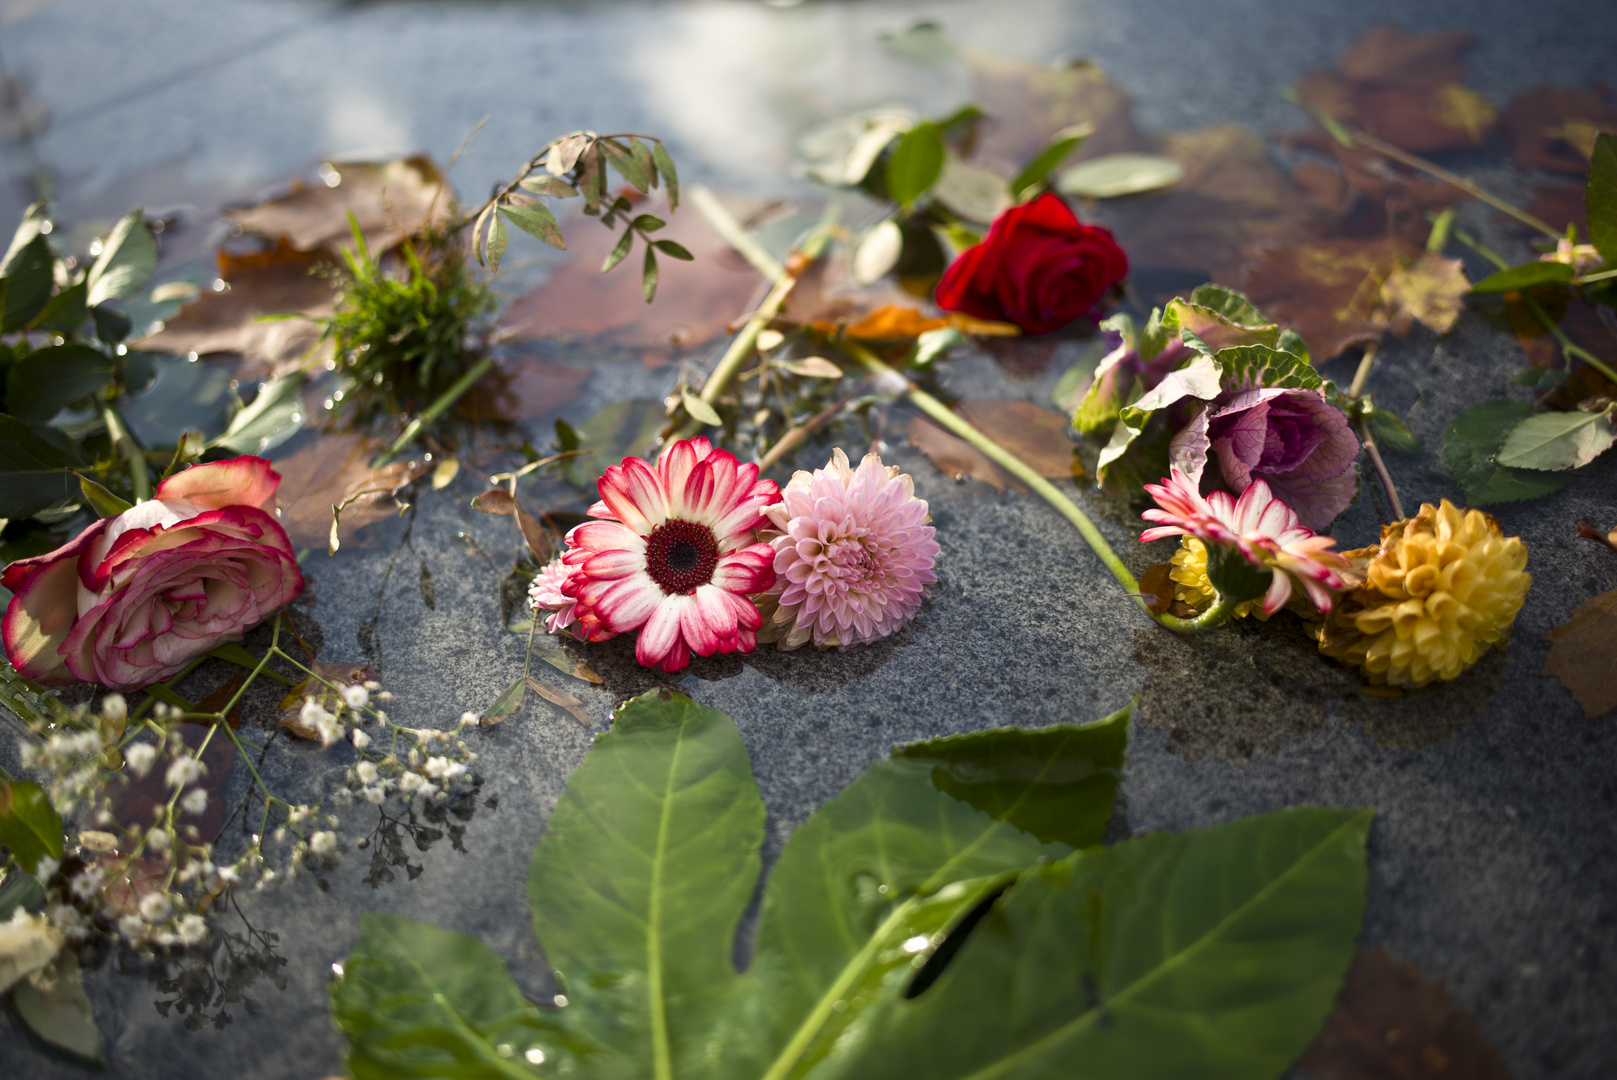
<point x="1190" y="584"/>
<point x="1440" y="589"/>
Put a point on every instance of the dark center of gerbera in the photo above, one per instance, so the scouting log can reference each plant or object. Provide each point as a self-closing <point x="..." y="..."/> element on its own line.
<point x="681" y="555"/>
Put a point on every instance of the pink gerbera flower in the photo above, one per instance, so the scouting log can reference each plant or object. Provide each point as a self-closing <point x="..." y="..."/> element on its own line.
<point x="1264" y="530"/>
<point x="854" y="555"/>
<point x="674" y="556"/>
<point x="545" y="594"/>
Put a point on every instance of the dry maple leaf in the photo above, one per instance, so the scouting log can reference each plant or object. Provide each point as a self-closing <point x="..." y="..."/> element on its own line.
<point x="1329" y="291"/>
<point x="1430" y="290"/>
<point x="695" y="300"/>
<point x="391" y="200"/>
<point x="279" y="281"/>
<point x="1036" y="435"/>
<point x="1583" y="654"/>
<point x="1554" y="128"/>
<point x="334" y="469"/>
<point x="1391" y="1020"/>
<point x="955" y="457"/>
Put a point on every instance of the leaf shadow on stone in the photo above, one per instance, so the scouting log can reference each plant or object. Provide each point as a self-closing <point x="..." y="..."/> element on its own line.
<point x="1286" y="689"/>
<point x="814" y="671"/>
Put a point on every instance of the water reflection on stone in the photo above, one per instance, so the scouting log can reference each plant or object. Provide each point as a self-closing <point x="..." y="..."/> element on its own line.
<point x="200" y="985"/>
<point x="435" y="821"/>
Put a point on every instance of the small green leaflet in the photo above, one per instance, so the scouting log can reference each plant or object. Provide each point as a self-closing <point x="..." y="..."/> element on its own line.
<point x="1557" y="440"/>
<point x="1390" y="428"/>
<point x="699" y="410"/>
<point x="1469" y="445"/>
<point x="648" y="275"/>
<point x="537" y="221"/>
<point x="1054" y="153"/>
<point x="102" y="501"/>
<point x="507" y="703"/>
<point x="1600" y="198"/>
<point x="620" y="252"/>
<point x="498" y="239"/>
<point x="916" y="164"/>
<point x="1526" y="276"/>
<point x="29" y="825"/>
<point x="665" y="165"/>
<point x="1114" y="175"/>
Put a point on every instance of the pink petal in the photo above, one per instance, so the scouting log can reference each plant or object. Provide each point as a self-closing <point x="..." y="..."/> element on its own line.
<point x="242" y="481"/>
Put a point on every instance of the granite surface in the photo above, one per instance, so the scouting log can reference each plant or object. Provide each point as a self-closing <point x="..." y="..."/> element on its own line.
<point x="1493" y="859"/>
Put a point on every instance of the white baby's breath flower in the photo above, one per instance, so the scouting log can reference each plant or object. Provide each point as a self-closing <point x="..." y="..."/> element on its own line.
<point x="183" y="770"/>
<point x="195" y="801"/>
<point x="140" y="757"/>
<point x="46" y="868"/>
<point x="192" y="929"/>
<point x="469" y="719"/>
<point x="158" y="841"/>
<point x="115" y="708"/>
<point x="375" y="796"/>
<point x="323" y="844"/>
<point x="132" y="927"/>
<point x="155" y="907"/>
<point x="356" y="697"/>
<point x="410" y="783"/>
<point x="85" y="883"/>
<point x="360" y="739"/>
<point x="366" y="771"/>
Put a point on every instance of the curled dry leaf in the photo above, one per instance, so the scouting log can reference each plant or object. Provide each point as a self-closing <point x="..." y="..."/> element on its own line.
<point x="279" y="281"/>
<point x="391" y="200"/>
<point x="496" y="501"/>
<point x="341" y="674"/>
<point x="332" y="470"/>
<point x="1392" y="1020"/>
<point x="955" y="457"/>
<point x="561" y="699"/>
<point x="695" y="300"/>
<point x="1583" y="654"/>
<point x="1038" y="436"/>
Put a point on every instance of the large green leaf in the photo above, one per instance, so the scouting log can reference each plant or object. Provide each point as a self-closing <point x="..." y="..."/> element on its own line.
<point x="886" y="862"/>
<point x="55" y="1007"/>
<point x="1600" y="199"/>
<point x="1213" y="954"/>
<point x="127" y="260"/>
<point x="418" y="1002"/>
<point x="1557" y="440"/>
<point x="916" y="164"/>
<point x="29" y="824"/>
<point x="646" y="866"/>
<point x="1469" y="445"/>
<point x="34" y="459"/>
<point x="25" y="288"/>
<point x="40" y="384"/>
<point x="273" y="416"/>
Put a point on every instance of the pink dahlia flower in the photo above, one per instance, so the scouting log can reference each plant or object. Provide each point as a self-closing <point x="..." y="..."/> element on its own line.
<point x="674" y="556"/>
<point x="854" y="554"/>
<point x="545" y="595"/>
<point x="1264" y="530"/>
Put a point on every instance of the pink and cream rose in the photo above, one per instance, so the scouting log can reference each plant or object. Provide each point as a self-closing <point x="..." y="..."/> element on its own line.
<point x="134" y="598"/>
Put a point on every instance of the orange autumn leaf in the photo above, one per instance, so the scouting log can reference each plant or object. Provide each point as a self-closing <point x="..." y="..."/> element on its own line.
<point x="890" y="322"/>
<point x="1584" y="654"/>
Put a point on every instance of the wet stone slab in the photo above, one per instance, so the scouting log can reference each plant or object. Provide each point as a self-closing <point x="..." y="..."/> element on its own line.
<point x="1493" y="861"/>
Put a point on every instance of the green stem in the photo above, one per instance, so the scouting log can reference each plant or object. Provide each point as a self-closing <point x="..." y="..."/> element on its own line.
<point x="436" y="409"/>
<point x="1002" y="457"/>
<point x="124" y="445"/>
<point x="1590" y="279"/>
<point x="1397" y="154"/>
<point x="735" y="235"/>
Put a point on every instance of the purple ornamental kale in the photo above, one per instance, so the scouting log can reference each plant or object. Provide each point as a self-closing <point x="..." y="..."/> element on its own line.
<point x="1292" y="438"/>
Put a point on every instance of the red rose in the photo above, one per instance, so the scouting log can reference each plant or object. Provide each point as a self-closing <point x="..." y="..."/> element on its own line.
<point x="132" y="599"/>
<point x="1039" y="268"/>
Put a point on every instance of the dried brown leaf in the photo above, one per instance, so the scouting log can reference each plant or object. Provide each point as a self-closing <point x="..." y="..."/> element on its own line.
<point x="334" y="469"/>
<point x="1392" y="1020"/>
<point x="1329" y="291"/>
<point x="1431" y="290"/>
<point x="1027" y="104"/>
<point x="1036" y="435"/>
<point x="1554" y="128"/>
<point x="561" y="699"/>
<point x="535" y="536"/>
<point x="1583" y="654"/>
<point x="391" y="200"/>
<point x="495" y="501"/>
<point x="274" y="282"/>
<point x="1156" y="585"/>
<point x="955" y="457"/>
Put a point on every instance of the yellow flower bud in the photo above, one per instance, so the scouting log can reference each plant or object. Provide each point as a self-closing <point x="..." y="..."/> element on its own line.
<point x="1442" y="587"/>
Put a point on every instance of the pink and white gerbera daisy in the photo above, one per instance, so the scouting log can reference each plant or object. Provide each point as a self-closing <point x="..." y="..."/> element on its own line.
<point x="854" y="555"/>
<point x="545" y="594"/>
<point x="1263" y="529"/>
<point x="674" y="556"/>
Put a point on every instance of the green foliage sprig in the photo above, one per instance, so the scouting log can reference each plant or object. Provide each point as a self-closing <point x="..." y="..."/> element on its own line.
<point x="948" y="915"/>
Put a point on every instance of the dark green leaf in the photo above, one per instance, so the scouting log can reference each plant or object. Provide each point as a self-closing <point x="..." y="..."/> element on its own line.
<point x="102" y="501"/>
<point x="646" y="866"/>
<point x="42" y="383"/>
<point x="916" y="164"/>
<point x="1526" y="276"/>
<point x="1045" y="160"/>
<point x="55" y="1007"/>
<point x="507" y="703"/>
<point x="624" y="162"/>
<point x="20" y="890"/>
<point x="592" y="178"/>
<point x="649" y="222"/>
<point x="29" y="825"/>
<point x="64" y="313"/>
<point x="498" y="239"/>
<point x="933" y="817"/>
<point x="111" y="325"/>
<point x="417" y="1002"/>
<point x="566" y="436"/>
<point x="1210" y="953"/>
<point x="537" y="221"/>
<point x="274" y="415"/>
<point x="26" y="288"/>
<point x="643" y="159"/>
<point x="1291" y="341"/>
<point x="127" y="259"/>
<point x="673" y="250"/>
<point x="30" y="228"/>
<point x="665" y="165"/>
<point x="648" y="275"/>
<point x="1390" y="428"/>
<point x="1600" y="199"/>
<point x="620" y="252"/>
<point x="549" y="185"/>
<point x="34" y="459"/>
<point x="1469" y="446"/>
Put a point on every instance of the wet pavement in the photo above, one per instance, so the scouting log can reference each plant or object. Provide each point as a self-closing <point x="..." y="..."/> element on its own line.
<point x="1493" y="858"/>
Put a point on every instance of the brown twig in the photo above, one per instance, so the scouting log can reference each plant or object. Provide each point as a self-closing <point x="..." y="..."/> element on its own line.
<point x="1588" y="532"/>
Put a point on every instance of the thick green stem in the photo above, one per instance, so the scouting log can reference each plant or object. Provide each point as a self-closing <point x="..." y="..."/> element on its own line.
<point x="436" y="409"/>
<point x="1051" y="494"/>
<point x="124" y="445"/>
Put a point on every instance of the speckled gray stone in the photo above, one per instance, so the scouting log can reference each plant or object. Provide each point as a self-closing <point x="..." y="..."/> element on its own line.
<point x="1493" y="862"/>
